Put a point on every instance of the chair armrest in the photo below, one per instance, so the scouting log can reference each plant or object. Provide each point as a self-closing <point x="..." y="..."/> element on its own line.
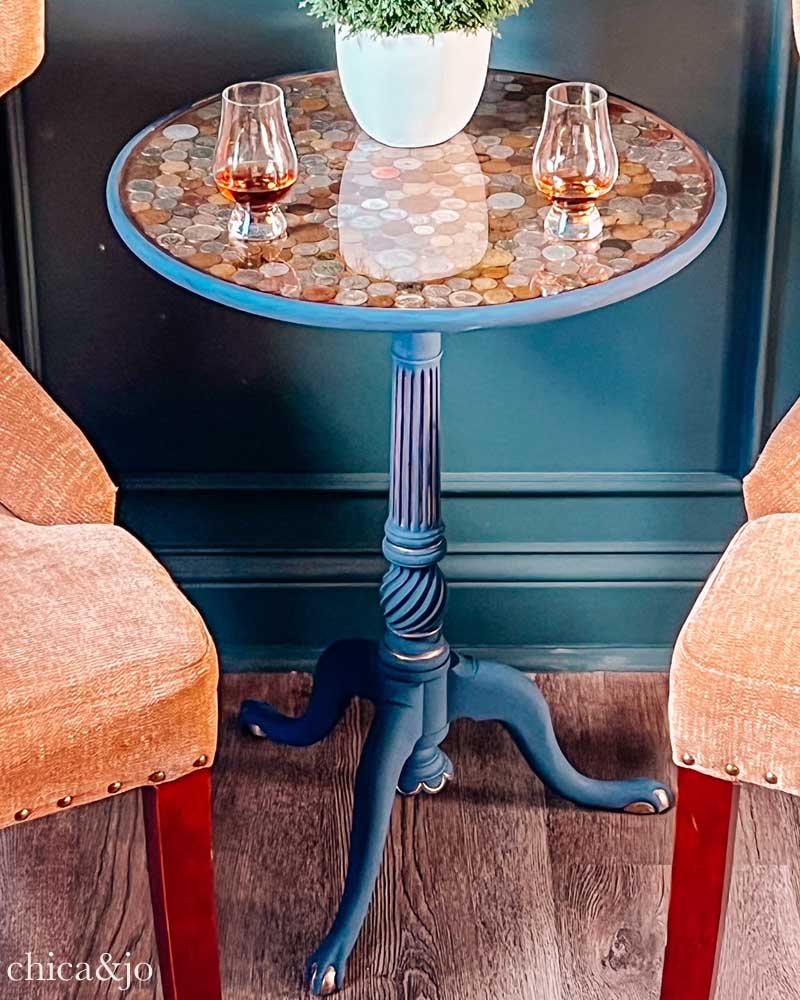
<point x="49" y="473"/>
<point x="773" y="486"/>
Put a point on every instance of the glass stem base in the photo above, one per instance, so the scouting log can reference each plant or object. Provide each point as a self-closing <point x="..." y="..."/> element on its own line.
<point x="572" y="224"/>
<point x="248" y="224"/>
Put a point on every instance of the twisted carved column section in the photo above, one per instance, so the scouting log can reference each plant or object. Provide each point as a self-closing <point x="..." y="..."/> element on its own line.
<point x="413" y="601"/>
<point x="414" y="591"/>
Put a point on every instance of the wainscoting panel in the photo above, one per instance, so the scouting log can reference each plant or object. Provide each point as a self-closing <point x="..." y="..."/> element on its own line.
<point x="593" y="466"/>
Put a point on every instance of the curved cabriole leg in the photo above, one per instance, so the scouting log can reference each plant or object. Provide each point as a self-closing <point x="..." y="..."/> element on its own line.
<point x="395" y="729"/>
<point x="483" y="690"/>
<point x="341" y="674"/>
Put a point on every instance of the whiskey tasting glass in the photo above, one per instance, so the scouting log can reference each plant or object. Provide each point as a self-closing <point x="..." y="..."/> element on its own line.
<point x="575" y="160"/>
<point x="255" y="162"/>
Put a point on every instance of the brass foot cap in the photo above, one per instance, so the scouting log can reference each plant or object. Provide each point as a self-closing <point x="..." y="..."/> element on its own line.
<point x="328" y="984"/>
<point x="640" y="808"/>
<point x="663" y="799"/>
<point x="423" y="786"/>
<point x="435" y="789"/>
<point x="647" y="808"/>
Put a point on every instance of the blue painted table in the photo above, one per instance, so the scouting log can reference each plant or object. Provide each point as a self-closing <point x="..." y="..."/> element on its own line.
<point x="417" y="243"/>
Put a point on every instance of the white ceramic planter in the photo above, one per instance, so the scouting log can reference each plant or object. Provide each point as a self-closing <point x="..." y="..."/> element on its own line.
<point x="413" y="90"/>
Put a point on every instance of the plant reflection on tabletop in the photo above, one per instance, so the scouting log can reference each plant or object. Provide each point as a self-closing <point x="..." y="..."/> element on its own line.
<point x="434" y="236"/>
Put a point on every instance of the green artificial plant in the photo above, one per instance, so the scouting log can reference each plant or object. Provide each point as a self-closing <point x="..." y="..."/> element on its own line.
<point x="413" y="17"/>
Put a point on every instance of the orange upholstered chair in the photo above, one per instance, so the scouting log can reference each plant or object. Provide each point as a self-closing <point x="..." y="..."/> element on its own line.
<point x="108" y="677"/>
<point x="734" y="706"/>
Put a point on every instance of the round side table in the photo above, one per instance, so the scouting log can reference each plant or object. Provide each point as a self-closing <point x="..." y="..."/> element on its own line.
<point x="417" y="243"/>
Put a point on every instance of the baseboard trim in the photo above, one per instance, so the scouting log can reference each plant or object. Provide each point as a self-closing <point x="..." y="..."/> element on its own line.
<point x="536" y="659"/>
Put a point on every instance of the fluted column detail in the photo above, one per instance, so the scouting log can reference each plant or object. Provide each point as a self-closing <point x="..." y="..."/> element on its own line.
<point x="414" y="591"/>
<point x="414" y="502"/>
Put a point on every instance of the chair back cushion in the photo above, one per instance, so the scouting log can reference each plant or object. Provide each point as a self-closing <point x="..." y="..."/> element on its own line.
<point x="21" y="40"/>
<point x="49" y="473"/>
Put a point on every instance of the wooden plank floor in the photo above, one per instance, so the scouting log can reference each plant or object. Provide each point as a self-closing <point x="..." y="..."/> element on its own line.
<point x="492" y="891"/>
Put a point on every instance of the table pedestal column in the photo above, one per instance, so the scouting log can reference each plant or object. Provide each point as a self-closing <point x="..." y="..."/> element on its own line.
<point x="417" y="684"/>
<point x="414" y="590"/>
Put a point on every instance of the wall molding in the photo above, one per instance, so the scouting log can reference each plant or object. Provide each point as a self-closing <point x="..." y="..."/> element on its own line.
<point x="784" y="257"/>
<point x="274" y="571"/>
<point x="21" y="268"/>
<point x="759" y="229"/>
<point x="566" y="484"/>
<point x="536" y="602"/>
<point x="484" y="565"/>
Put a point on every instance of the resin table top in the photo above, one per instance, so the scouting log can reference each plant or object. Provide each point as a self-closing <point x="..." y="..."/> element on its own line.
<point x="446" y="237"/>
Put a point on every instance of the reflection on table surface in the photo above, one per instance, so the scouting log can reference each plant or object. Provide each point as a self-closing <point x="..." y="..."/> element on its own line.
<point x="399" y="226"/>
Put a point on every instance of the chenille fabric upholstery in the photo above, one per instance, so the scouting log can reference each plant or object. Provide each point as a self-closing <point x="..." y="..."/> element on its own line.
<point x="21" y="40"/>
<point x="49" y="473"/>
<point x="735" y="684"/>
<point x="107" y="673"/>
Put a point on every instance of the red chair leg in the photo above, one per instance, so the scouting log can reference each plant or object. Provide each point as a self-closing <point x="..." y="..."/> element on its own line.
<point x="701" y="867"/>
<point x="179" y="854"/>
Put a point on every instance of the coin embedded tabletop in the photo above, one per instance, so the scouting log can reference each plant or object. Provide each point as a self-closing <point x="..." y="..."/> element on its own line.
<point x="454" y="225"/>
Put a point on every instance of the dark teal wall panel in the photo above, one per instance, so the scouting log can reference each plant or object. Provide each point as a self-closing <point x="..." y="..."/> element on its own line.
<point x="593" y="464"/>
<point x="258" y="396"/>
